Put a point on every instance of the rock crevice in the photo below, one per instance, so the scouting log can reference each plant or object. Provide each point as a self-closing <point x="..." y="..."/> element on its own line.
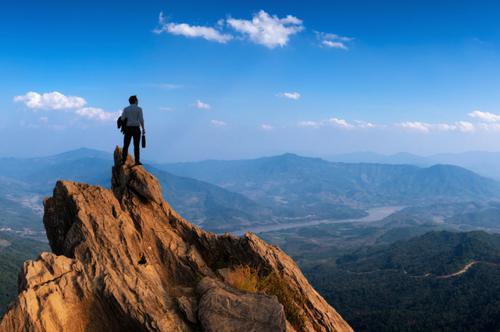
<point x="123" y="259"/>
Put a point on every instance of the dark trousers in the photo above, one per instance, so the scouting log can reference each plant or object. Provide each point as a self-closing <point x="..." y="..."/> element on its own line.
<point x="135" y="133"/>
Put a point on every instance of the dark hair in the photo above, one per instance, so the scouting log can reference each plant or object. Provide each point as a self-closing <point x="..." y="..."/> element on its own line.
<point x="132" y="100"/>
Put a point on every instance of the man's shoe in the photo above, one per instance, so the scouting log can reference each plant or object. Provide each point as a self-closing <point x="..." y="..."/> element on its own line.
<point x="138" y="163"/>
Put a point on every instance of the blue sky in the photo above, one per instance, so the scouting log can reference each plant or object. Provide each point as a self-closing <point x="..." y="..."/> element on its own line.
<point x="240" y="79"/>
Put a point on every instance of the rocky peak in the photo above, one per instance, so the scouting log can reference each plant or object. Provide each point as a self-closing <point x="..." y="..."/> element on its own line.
<point x="124" y="260"/>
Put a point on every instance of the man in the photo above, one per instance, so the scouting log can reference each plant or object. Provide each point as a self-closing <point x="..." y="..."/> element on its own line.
<point x="132" y="114"/>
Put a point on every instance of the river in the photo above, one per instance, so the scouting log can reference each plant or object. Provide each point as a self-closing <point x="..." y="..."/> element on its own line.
<point x="374" y="214"/>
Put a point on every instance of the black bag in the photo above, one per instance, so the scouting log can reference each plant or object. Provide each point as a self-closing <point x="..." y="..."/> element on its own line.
<point x="143" y="141"/>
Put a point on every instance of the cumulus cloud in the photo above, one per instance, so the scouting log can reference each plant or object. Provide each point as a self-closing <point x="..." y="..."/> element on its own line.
<point x="415" y="125"/>
<point x="290" y="95"/>
<point x="269" y="31"/>
<point x="336" y="122"/>
<point x="218" y="123"/>
<point x="95" y="113"/>
<point x="485" y="116"/>
<point x="264" y="29"/>
<point x="56" y="101"/>
<point x="50" y="101"/>
<point x="266" y="127"/>
<point x="464" y="126"/>
<point x="333" y="40"/>
<point x="201" y="105"/>
<point x="423" y="127"/>
<point x="340" y="123"/>
<point x="191" y="31"/>
<point x="364" y="124"/>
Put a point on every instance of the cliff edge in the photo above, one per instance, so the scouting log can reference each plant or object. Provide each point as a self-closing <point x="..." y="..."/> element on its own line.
<point x="124" y="260"/>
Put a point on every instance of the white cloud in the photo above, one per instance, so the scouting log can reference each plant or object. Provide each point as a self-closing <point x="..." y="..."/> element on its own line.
<point x="267" y="30"/>
<point x="218" y="123"/>
<point x="201" y="105"/>
<point x="489" y="126"/>
<point x="485" y="116"/>
<point x="266" y="127"/>
<point x="364" y="124"/>
<point x="97" y="114"/>
<point x="290" y="95"/>
<point x="465" y="126"/>
<point x="191" y="31"/>
<point x="423" y="127"/>
<point x="334" y="44"/>
<point x="415" y="126"/>
<point x="310" y="124"/>
<point x="50" y="101"/>
<point x="340" y="123"/>
<point x="55" y="101"/>
<point x="334" y="41"/>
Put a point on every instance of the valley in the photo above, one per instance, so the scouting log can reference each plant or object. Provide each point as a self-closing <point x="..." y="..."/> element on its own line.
<point x="444" y="277"/>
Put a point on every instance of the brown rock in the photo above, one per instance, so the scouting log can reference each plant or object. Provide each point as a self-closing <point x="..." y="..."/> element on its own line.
<point x="225" y="309"/>
<point x="124" y="260"/>
<point x="189" y="307"/>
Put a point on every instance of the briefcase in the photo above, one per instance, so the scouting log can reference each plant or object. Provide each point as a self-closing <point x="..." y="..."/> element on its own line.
<point x="143" y="141"/>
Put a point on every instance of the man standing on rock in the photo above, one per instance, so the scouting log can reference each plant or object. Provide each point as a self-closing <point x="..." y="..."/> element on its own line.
<point x="133" y="119"/>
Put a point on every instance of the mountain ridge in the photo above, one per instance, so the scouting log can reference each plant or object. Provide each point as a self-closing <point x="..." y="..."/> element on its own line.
<point x="282" y="178"/>
<point x="230" y="195"/>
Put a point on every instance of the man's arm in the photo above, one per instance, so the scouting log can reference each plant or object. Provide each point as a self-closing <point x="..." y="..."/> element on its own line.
<point x="141" y="121"/>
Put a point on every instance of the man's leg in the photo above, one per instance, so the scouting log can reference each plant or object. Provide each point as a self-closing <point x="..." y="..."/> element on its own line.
<point x="126" y="143"/>
<point x="137" y="141"/>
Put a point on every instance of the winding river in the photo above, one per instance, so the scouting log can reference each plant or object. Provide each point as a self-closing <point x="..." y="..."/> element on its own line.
<point x="374" y="214"/>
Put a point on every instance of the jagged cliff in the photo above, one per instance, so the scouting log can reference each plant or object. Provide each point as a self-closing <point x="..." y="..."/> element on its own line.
<point x="124" y="260"/>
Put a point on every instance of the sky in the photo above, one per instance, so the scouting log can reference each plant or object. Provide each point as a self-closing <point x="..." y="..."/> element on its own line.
<point x="243" y="79"/>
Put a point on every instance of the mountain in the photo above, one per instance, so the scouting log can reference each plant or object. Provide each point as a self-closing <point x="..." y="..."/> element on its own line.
<point x="485" y="216"/>
<point x="29" y="180"/>
<point x="462" y="216"/>
<point x="401" y="158"/>
<point x="232" y="195"/>
<point x="29" y="167"/>
<point x="482" y="162"/>
<point x="211" y="206"/>
<point x="124" y="260"/>
<point x="438" y="281"/>
<point x="291" y="182"/>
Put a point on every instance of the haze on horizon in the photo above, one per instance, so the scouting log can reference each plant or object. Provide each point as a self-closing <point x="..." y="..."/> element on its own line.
<point x="227" y="80"/>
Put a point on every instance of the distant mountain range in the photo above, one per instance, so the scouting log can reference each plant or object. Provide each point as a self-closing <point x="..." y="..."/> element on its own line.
<point x="314" y="185"/>
<point x="230" y="195"/>
<point x="481" y="162"/>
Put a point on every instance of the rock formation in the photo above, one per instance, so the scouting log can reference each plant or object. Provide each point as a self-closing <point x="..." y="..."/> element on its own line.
<point x="124" y="260"/>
